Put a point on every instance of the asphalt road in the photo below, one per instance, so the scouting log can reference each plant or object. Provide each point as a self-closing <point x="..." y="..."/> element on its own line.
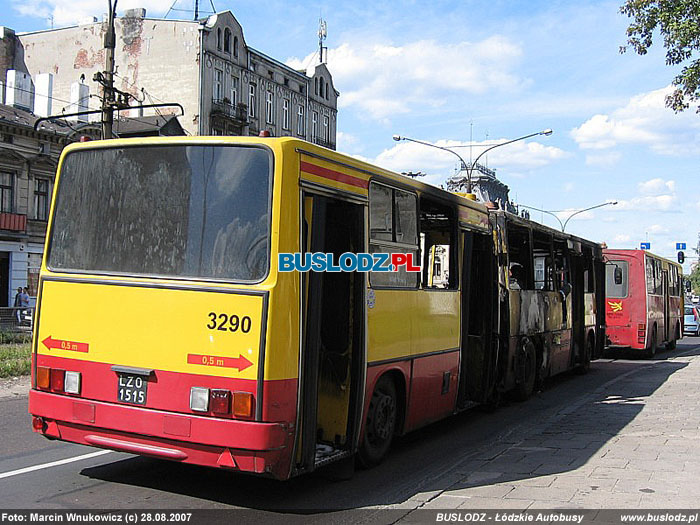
<point x="418" y="463"/>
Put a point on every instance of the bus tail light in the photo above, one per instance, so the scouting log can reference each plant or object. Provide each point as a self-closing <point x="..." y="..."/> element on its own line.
<point x="72" y="382"/>
<point x="58" y="380"/>
<point x="242" y="404"/>
<point x="220" y="401"/>
<point x="641" y="332"/>
<point x="37" y="423"/>
<point x="43" y="375"/>
<point x="199" y="399"/>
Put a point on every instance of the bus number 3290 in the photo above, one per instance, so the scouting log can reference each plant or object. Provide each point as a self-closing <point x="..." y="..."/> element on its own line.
<point x="228" y="323"/>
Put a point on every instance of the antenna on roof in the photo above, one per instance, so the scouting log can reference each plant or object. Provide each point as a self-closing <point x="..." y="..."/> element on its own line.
<point x="322" y="34"/>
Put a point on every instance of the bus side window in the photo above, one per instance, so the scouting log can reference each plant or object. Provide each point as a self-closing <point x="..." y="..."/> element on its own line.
<point x="392" y="224"/>
<point x="437" y="242"/>
<point x="520" y="259"/>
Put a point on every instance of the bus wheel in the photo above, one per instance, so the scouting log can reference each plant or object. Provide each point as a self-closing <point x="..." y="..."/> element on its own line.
<point x="671" y="345"/>
<point x="527" y="371"/>
<point x="380" y="424"/>
<point x="585" y="365"/>
<point x="651" y="351"/>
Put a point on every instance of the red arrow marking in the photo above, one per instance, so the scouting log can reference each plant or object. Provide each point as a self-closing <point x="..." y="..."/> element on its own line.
<point x="60" y="344"/>
<point x="239" y="362"/>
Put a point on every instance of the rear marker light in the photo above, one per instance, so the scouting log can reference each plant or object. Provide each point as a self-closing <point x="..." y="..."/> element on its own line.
<point x="220" y="401"/>
<point x="57" y="379"/>
<point x="199" y="399"/>
<point x="43" y="375"/>
<point x="242" y="404"/>
<point x="72" y="382"/>
<point x="37" y="423"/>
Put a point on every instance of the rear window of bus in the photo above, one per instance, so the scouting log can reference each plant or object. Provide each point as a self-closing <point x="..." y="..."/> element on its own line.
<point x="618" y="289"/>
<point x="189" y="211"/>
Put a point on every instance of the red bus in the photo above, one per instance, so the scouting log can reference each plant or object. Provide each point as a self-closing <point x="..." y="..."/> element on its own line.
<point x="644" y="300"/>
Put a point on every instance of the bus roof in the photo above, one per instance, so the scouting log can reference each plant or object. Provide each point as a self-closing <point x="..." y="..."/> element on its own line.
<point x="285" y="143"/>
<point x="637" y="254"/>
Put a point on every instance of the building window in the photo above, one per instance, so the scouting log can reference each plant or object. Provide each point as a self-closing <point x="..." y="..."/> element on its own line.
<point x="41" y="199"/>
<point x="285" y="114"/>
<point x="227" y="40"/>
<point x="316" y="86"/>
<point x="269" y="107"/>
<point x="218" y="84"/>
<point x="325" y="128"/>
<point x="251" y="100"/>
<point x="233" y="94"/>
<point x="7" y="192"/>
<point x="327" y="90"/>
<point x="301" y="124"/>
<point x="235" y="46"/>
<point x="218" y="39"/>
<point x="314" y="125"/>
<point x="321" y="90"/>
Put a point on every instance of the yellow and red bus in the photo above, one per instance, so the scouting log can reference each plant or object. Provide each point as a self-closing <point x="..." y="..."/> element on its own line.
<point x="165" y="328"/>
<point x="644" y="305"/>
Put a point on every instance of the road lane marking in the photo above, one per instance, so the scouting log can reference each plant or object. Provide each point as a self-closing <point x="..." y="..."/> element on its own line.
<point x="52" y="464"/>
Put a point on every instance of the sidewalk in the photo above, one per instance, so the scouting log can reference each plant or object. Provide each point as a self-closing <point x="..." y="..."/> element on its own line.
<point x="633" y="443"/>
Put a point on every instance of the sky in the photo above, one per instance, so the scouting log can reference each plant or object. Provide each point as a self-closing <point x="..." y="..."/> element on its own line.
<point x="475" y="73"/>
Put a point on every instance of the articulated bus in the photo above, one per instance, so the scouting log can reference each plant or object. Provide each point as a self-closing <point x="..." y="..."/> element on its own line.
<point x="644" y="305"/>
<point x="166" y="328"/>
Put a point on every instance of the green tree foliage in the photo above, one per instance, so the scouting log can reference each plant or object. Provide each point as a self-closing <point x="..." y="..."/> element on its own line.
<point x="678" y="23"/>
<point x="694" y="279"/>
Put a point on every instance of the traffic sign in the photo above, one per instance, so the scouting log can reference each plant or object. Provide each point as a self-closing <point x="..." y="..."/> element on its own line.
<point x="680" y="246"/>
<point x="645" y="245"/>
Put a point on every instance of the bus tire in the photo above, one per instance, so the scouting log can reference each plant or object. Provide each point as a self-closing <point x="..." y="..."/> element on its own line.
<point x="671" y="345"/>
<point x="527" y="370"/>
<point x="585" y="364"/>
<point x="380" y="424"/>
<point x="651" y="349"/>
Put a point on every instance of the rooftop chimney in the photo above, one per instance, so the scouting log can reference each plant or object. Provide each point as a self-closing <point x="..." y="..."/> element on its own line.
<point x="79" y="100"/>
<point x="18" y="90"/>
<point x="43" y="93"/>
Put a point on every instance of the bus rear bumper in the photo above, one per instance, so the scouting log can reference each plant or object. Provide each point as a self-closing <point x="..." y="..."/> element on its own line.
<point x="239" y="445"/>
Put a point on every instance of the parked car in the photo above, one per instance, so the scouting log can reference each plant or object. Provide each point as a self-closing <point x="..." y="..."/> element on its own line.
<point x="691" y="320"/>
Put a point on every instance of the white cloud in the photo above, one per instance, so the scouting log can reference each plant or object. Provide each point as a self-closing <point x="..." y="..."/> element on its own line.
<point x="622" y="237"/>
<point x="657" y="186"/>
<point x="644" y="120"/>
<point x="568" y="187"/>
<point x="657" y="229"/>
<point x="410" y="156"/>
<point x="70" y="13"/>
<point x="387" y="80"/>
<point x="650" y="203"/>
<point x="344" y="140"/>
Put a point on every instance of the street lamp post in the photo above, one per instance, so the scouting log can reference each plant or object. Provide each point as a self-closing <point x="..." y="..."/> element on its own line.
<point x="563" y="225"/>
<point x="470" y="167"/>
<point x="398" y="138"/>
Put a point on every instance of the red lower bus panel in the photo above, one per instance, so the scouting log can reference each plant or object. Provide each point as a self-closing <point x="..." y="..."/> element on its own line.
<point x="253" y="447"/>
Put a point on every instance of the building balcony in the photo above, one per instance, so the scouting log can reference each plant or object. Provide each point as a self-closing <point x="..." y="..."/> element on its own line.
<point x="223" y="108"/>
<point x="14" y="222"/>
<point x="323" y="142"/>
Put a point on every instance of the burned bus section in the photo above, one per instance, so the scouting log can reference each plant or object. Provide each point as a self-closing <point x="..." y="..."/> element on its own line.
<point x="551" y="294"/>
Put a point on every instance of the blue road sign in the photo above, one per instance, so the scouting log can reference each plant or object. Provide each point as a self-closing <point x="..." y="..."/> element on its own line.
<point x="680" y="246"/>
<point x="645" y="245"/>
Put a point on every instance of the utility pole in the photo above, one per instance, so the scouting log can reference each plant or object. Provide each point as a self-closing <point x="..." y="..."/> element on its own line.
<point x="108" y="101"/>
